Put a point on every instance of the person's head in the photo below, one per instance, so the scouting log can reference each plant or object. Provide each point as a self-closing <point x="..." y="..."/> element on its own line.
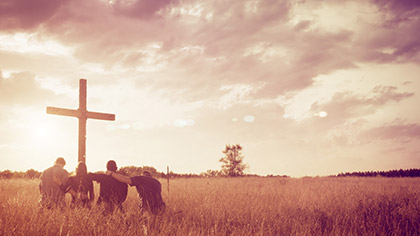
<point x="111" y="166"/>
<point x="60" y="161"/>
<point x="147" y="173"/>
<point x="81" y="169"/>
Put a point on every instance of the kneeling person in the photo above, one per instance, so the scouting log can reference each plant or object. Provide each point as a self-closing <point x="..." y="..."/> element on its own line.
<point x="111" y="192"/>
<point x="80" y="187"/>
<point x="149" y="190"/>
<point x="51" y="194"/>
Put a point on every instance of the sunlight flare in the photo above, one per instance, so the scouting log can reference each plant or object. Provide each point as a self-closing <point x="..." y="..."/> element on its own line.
<point x="249" y="118"/>
<point x="323" y="114"/>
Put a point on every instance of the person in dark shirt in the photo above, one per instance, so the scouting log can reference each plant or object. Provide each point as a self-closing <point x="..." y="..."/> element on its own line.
<point x="149" y="190"/>
<point x="111" y="192"/>
<point x="80" y="187"/>
<point x="51" y="194"/>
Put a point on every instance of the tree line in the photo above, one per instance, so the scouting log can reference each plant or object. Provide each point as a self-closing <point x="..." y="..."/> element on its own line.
<point x="29" y="174"/>
<point x="390" y="173"/>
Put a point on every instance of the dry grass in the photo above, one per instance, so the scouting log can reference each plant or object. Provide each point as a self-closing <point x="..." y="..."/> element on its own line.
<point x="241" y="206"/>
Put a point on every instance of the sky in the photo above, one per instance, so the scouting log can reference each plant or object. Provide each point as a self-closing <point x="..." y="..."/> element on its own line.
<point x="308" y="88"/>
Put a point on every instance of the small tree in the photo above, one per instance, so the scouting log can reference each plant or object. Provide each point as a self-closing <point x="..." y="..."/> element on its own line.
<point x="233" y="161"/>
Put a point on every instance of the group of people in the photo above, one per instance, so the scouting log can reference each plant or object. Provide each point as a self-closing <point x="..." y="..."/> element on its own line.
<point x="113" y="188"/>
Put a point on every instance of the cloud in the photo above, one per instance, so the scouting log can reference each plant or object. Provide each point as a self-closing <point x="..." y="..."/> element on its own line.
<point x="22" y="89"/>
<point x="27" y="14"/>
<point x="239" y="43"/>
<point x="381" y="39"/>
<point x="346" y="106"/>
<point x="394" y="131"/>
<point x="142" y="9"/>
<point x="398" y="11"/>
<point x="204" y="73"/>
<point x="244" y="49"/>
<point x="195" y="48"/>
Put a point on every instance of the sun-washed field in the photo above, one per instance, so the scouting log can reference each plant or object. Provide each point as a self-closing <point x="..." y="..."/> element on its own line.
<point x="232" y="206"/>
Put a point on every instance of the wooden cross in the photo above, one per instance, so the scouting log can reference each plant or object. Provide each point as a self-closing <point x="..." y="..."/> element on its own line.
<point x="82" y="114"/>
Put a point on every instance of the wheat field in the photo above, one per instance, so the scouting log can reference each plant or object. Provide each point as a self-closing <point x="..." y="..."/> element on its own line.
<point x="232" y="206"/>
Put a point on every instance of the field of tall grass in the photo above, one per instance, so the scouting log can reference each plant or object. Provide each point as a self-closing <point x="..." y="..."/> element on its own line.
<point x="232" y="206"/>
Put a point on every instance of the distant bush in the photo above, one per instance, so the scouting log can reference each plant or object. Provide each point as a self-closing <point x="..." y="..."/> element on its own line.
<point x="7" y="174"/>
<point x="29" y="174"/>
<point x="32" y="174"/>
<point x="211" y="173"/>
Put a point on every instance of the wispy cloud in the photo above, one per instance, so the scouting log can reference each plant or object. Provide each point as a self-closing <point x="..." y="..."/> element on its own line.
<point x="394" y="131"/>
<point x="345" y="106"/>
<point x="22" y="89"/>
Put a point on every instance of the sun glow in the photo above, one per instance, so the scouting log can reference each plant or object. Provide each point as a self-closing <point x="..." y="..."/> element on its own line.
<point x="37" y="130"/>
<point x="42" y="133"/>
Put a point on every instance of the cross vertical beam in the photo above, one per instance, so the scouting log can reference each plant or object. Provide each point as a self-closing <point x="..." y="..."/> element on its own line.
<point x="82" y="120"/>
<point x="82" y="114"/>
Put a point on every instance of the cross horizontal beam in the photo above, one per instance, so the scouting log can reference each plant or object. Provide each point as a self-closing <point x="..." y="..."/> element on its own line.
<point x="79" y="114"/>
<point x="100" y="116"/>
<point x="63" y="111"/>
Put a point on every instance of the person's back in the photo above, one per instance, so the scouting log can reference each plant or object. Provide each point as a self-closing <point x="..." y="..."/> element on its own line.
<point x="111" y="191"/>
<point x="81" y="190"/>
<point x="86" y="194"/>
<point x="80" y="187"/>
<point x="51" y="194"/>
<point x="149" y="190"/>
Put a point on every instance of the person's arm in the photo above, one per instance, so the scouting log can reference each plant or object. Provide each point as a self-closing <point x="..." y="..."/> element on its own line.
<point x="91" y="192"/>
<point x="64" y="187"/>
<point x="94" y="177"/>
<point x="40" y="182"/>
<point x="119" y="177"/>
